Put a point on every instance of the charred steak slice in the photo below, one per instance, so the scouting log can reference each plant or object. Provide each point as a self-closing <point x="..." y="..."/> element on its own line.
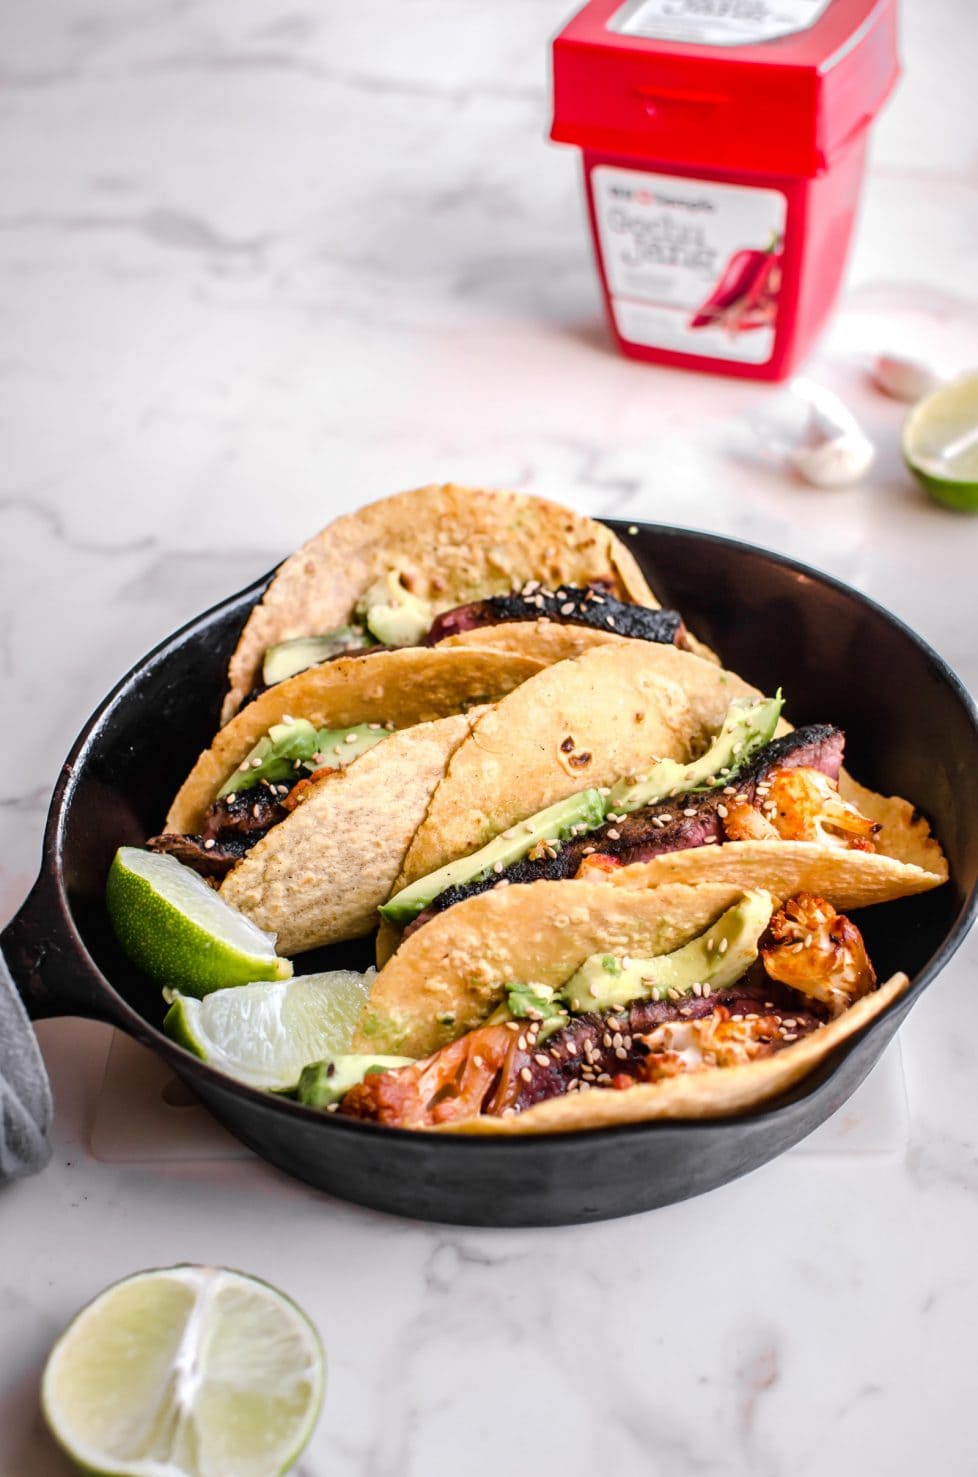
<point x="570" y="605"/>
<point x="231" y="828"/>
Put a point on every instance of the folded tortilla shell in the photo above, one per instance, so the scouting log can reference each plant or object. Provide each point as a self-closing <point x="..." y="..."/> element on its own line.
<point x="452" y="973"/>
<point x="717" y="1093"/>
<point x="414" y="685"/>
<point x="451" y="544"/>
<point x="319" y="876"/>
<point x="846" y="879"/>
<point x="550" y="641"/>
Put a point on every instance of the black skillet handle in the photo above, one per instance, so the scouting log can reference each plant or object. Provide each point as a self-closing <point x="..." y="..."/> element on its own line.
<point x="42" y="973"/>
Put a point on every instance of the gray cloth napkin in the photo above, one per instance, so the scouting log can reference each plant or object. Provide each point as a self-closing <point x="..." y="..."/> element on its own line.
<point x="25" y="1093"/>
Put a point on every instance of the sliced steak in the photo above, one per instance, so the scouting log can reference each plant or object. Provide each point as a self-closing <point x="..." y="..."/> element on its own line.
<point x="665" y="826"/>
<point x="599" y="1048"/>
<point x="231" y="828"/>
<point x="570" y="605"/>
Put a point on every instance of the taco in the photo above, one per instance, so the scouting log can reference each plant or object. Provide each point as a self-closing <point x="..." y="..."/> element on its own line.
<point x="747" y="801"/>
<point x="384" y="573"/>
<point x="571" y="1005"/>
<point x="304" y="805"/>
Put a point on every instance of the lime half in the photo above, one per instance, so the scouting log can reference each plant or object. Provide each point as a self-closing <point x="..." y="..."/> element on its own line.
<point x="185" y="1372"/>
<point x="181" y="931"/>
<point x="264" y="1034"/>
<point x="940" y="443"/>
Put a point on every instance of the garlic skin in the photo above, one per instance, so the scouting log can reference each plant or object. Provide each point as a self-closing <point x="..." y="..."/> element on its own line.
<point x="833" y="450"/>
<point x="905" y="378"/>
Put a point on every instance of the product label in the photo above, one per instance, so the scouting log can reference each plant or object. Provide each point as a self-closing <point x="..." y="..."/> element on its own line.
<point x="716" y="22"/>
<point x="691" y="265"/>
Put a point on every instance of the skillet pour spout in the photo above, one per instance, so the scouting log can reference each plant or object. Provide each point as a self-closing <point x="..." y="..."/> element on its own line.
<point x="911" y="729"/>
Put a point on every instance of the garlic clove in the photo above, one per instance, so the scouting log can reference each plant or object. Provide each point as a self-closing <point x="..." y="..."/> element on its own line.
<point x="837" y="461"/>
<point x="832" y="450"/>
<point x="905" y="378"/>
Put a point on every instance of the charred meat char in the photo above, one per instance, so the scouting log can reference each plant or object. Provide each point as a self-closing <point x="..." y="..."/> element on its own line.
<point x="569" y="605"/>
<point x="231" y="828"/>
<point x="679" y="824"/>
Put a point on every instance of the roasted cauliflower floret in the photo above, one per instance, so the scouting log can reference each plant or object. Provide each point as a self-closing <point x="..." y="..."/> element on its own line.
<point x="715" y="1040"/>
<point x="818" y="952"/>
<point x="799" y="805"/>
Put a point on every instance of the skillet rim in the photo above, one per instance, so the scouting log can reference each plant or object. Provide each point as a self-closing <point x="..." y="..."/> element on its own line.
<point x="124" y="1016"/>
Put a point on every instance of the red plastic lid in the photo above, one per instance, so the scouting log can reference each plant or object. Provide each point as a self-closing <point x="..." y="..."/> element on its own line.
<point x="754" y="86"/>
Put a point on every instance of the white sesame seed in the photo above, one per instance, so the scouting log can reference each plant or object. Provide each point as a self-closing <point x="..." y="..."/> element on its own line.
<point x="230" y="798"/>
<point x="723" y="946"/>
<point x="350" y="738"/>
<point x="497" y="866"/>
<point x="208" y="845"/>
<point x="521" y="1042"/>
<point x="541" y="1059"/>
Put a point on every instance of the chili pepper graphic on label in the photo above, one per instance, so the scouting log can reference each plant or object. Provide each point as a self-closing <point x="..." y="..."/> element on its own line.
<point x="746" y="296"/>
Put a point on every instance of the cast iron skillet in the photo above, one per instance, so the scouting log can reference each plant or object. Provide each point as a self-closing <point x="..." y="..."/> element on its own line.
<point x="912" y="729"/>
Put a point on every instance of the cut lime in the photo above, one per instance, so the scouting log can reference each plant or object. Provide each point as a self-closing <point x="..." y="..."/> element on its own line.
<point x="180" y="931"/>
<point x="185" y="1372"/>
<point x="264" y="1034"/>
<point x="940" y="443"/>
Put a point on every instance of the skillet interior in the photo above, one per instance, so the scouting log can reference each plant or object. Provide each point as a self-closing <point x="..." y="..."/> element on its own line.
<point x="837" y="657"/>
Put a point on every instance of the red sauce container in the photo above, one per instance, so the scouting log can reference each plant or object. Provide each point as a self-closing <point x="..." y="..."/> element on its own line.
<point x="723" y="145"/>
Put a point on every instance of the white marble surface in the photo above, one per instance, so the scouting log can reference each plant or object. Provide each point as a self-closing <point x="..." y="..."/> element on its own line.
<point x="262" y="261"/>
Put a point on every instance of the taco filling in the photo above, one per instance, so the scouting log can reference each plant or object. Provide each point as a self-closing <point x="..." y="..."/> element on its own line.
<point x="785" y="788"/>
<point x="389" y="615"/>
<point x="759" y="979"/>
<point x="276" y="776"/>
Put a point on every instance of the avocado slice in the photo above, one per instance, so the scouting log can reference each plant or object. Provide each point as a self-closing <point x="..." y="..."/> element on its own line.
<point x="293" y="750"/>
<point x="323" y="1083"/>
<point x="717" y="958"/>
<point x="290" y="657"/>
<point x="393" y="614"/>
<point x="746" y="728"/>
<point x="572" y="815"/>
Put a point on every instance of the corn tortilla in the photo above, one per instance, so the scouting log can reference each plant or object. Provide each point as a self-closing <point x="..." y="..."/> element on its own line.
<point x="451" y="544"/>
<point x="320" y="875"/>
<point x="414" y="685"/>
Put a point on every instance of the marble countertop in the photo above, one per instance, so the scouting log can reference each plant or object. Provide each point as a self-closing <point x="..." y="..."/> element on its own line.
<point x="262" y="262"/>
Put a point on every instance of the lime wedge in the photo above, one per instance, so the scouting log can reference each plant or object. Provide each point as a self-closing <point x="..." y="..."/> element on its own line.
<point x="940" y="443"/>
<point x="264" y="1034"/>
<point x="180" y="931"/>
<point x="185" y="1372"/>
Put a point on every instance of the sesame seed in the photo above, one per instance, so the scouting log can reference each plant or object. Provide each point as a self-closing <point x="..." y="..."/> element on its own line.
<point x="497" y="866"/>
<point x="567" y="608"/>
<point x="512" y="1025"/>
<point x="541" y="1059"/>
<point x="208" y="845"/>
<point x="620" y="1053"/>
<point x="244" y="766"/>
<point x="723" y="946"/>
<point x="231" y="798"/>
<point x="613" y="834"/>
<point x="572" y="1048"/>
<point x="526" y="1074"/>
<point x="477" y="1061"/>
<point x="610" y="619"/>
<point x="655" y="993"/>
<point x="350" y="738"/>
<point x="706" y="991"/>
<point x="604" y="1077"/>
<point x="332" y="1107"/>
<point x="789" y="1036"/>
<point x="710" y="841"/>
<point x="633" y="529"/>
<point x="697" y="988"/>
<point x="616" y="1040"/>
<point x="255" y="764"/>
<point x="710" y="945"/>
<point x="690" y="811"/>
<point x="256" y="812"/>
<point x="722" y="812"/>
<point x="729" y="790"/>
<point x="604" y="791"/>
